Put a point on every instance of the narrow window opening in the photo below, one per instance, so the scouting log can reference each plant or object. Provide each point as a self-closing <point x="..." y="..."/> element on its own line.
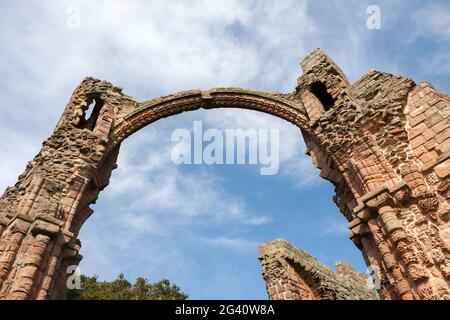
<point x="321" y="93"/>
<point x="90" y="116"/>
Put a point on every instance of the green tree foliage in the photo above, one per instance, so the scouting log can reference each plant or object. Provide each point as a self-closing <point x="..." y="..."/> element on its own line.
<point x="122" y="289"/>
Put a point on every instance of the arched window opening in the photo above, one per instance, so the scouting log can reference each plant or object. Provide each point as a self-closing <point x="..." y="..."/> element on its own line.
<point x="320" y="91"/>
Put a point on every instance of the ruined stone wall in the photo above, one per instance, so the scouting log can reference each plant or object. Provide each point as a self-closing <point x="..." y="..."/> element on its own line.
<point x="382" y="141"/>
<point x="292" y="274"/>
<point x="389" y="169"/>
<point x="40" y="216"/>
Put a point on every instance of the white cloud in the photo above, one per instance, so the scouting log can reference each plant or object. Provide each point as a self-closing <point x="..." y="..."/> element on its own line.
<point x="153" y="48"/>
<point x="109" y="252"/>
<point x="437" y="65"/>
<point x="16" y="149"/>
<point x="432" y="22"/>
<point x="147" y="181"/>
<point x="231" y="243"/>
<point x="294" y="164"/>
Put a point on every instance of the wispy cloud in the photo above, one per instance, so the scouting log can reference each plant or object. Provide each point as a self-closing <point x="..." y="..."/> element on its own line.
<point x="230" y="243"/>
<point x="147" y="181"/>
<point x="433" y="22"/>
<point x="153" y="48"/>
<point x="333" y="227"/>
<point x="294" y="164"/>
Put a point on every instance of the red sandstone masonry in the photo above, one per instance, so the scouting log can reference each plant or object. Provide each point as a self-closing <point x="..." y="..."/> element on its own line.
<point x="384" y="143"/>
<point x="292" y="274"/>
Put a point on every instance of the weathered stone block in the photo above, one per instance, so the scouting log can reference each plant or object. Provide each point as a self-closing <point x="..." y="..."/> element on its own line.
<point x="443" y="169"/>
<point x="305" y="278"/>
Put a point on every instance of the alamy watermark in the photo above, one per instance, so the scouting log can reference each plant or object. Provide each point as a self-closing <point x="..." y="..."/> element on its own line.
<point x="373" y="22"/>
<point x="74" y="278"/>
<point x="231" y="146"/>
<point x="73" y="21"/>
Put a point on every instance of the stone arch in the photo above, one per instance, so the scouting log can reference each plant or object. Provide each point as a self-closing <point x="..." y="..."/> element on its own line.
<point x="383" y="143"/>
<point x="272" y="103"/>
<point x="130" y="118"/>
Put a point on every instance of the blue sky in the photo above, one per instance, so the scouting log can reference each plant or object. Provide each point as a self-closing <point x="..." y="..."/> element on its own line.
<point x="199" y="226"/>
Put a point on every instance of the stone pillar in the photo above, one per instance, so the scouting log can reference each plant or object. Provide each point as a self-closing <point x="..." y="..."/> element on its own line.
<point x="381" y="234"/>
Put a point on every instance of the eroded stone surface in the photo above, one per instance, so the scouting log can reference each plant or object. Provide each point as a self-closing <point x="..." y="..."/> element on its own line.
<point x="384" y="142"/>
<point x="293" y="274"/>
